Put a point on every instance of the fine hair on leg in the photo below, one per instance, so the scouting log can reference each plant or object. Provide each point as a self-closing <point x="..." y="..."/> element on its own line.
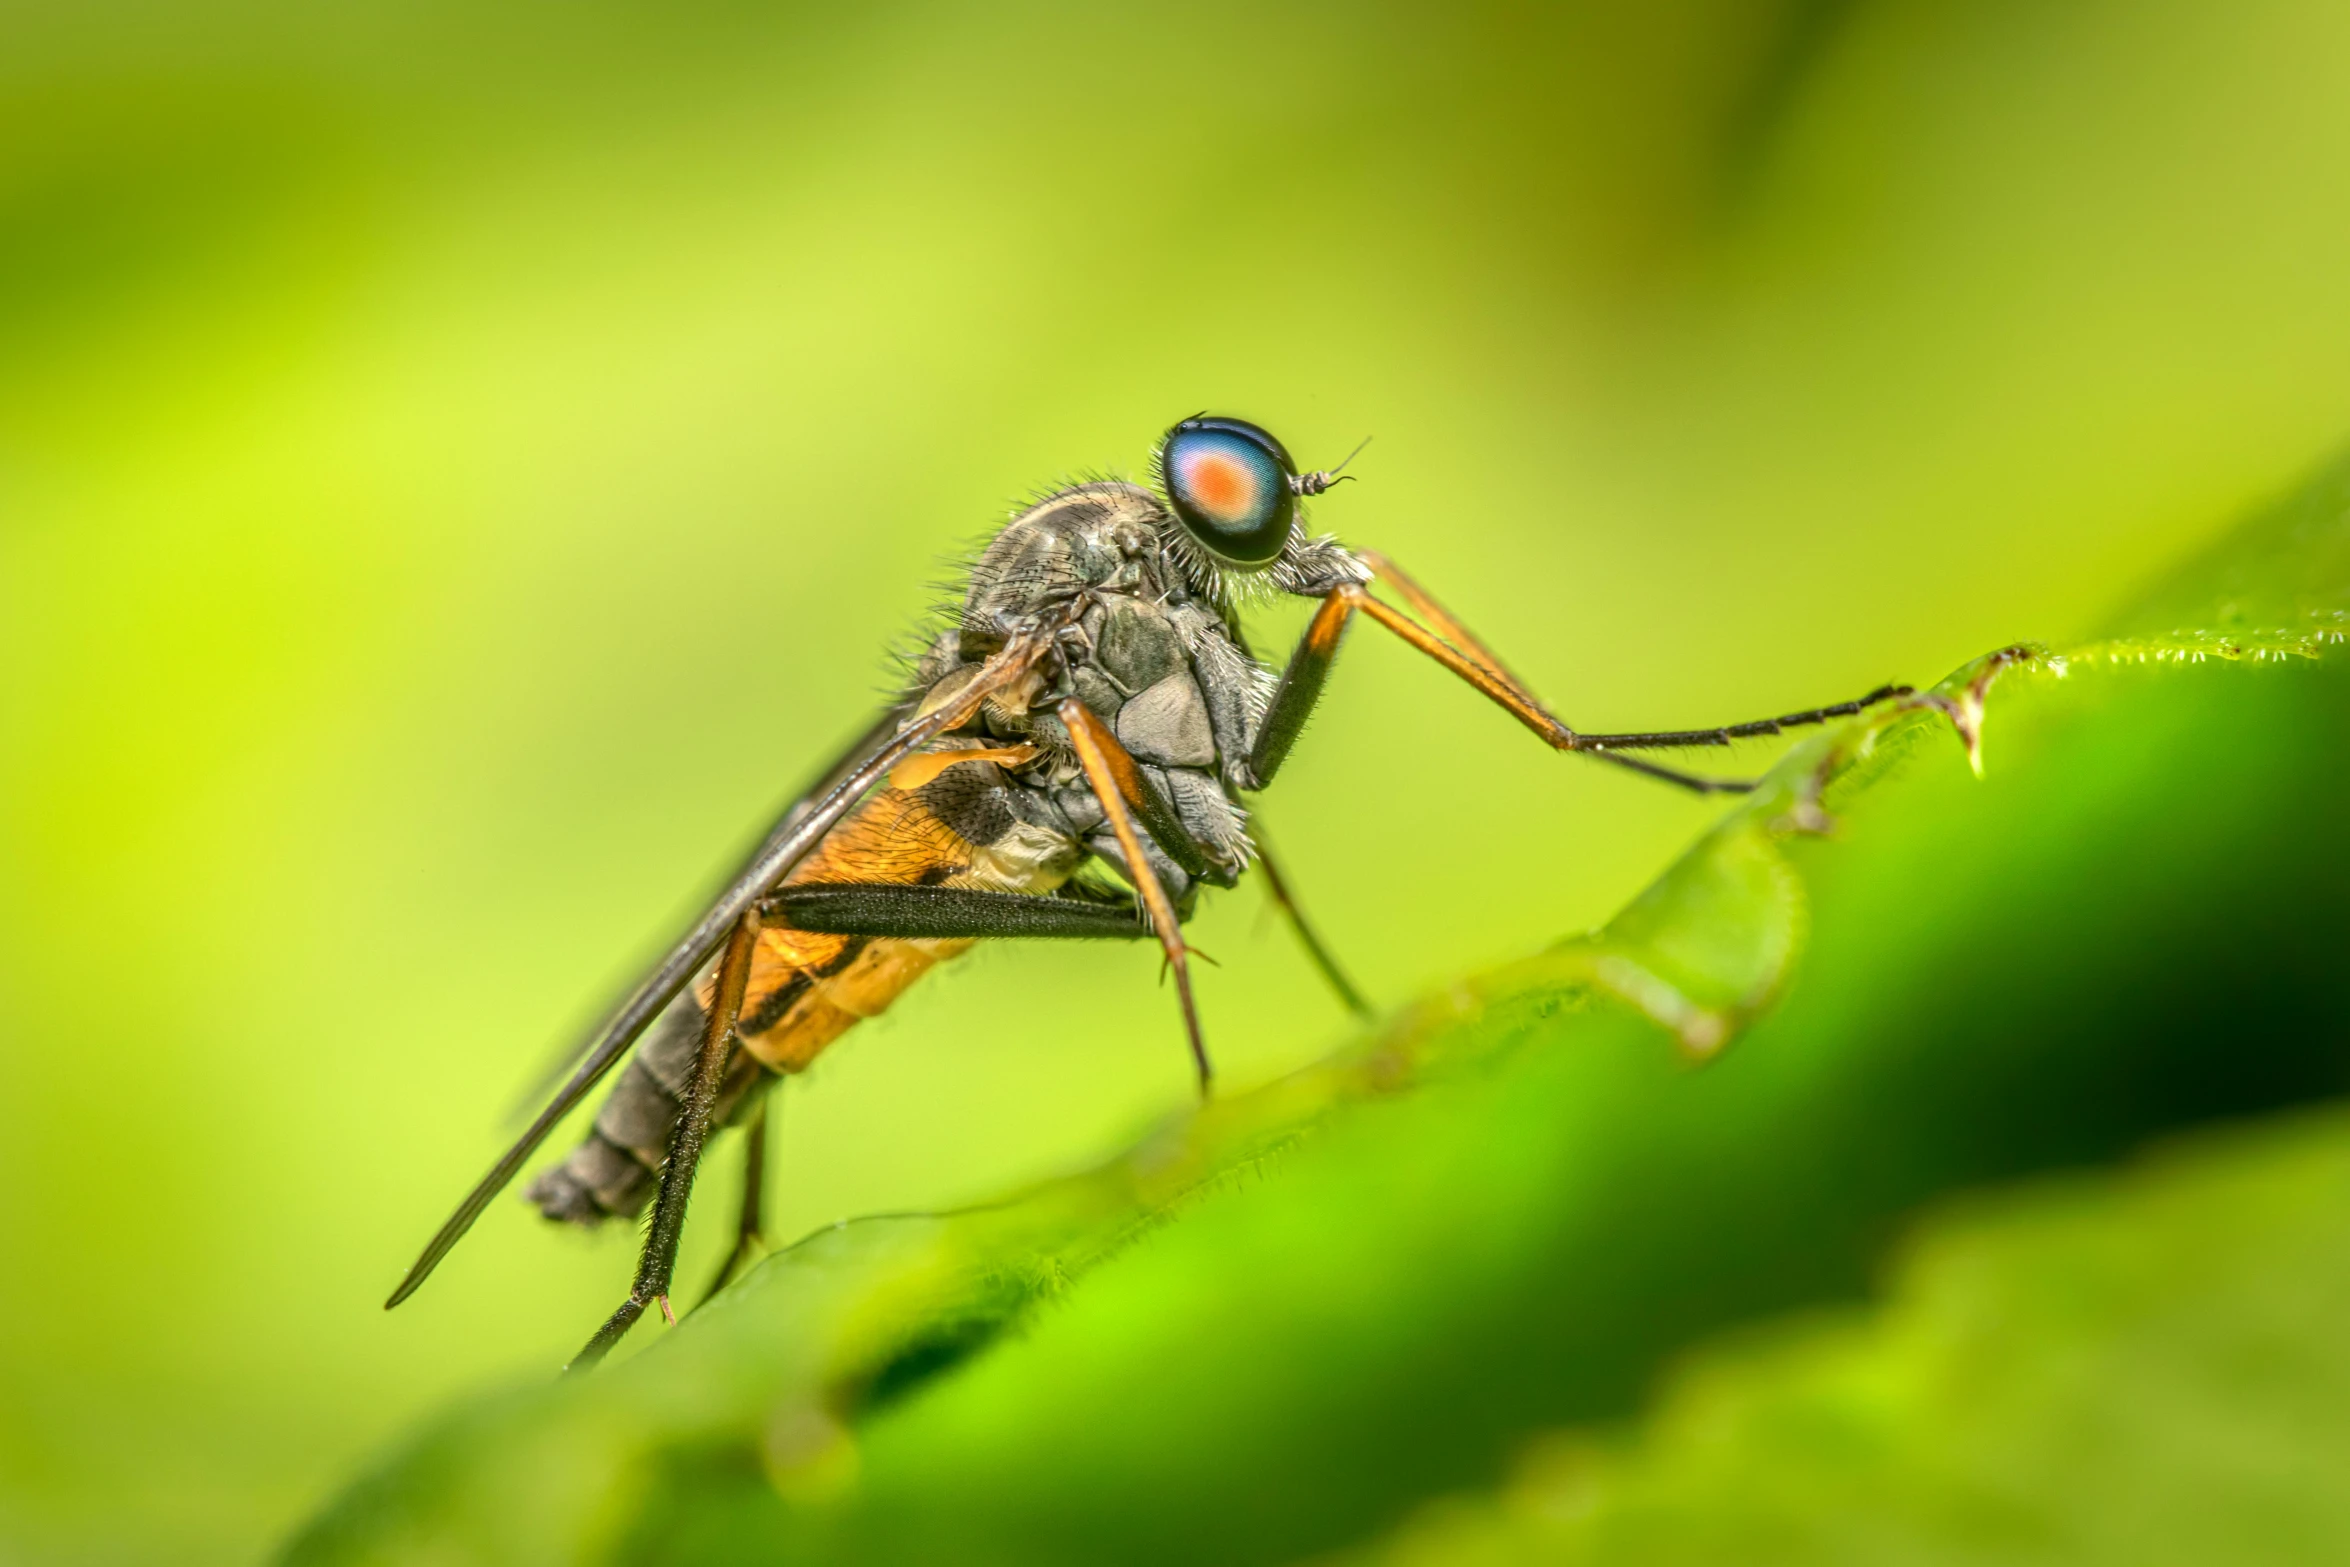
<point x="749" y="1230"/>
<point x="658" y="1261"/>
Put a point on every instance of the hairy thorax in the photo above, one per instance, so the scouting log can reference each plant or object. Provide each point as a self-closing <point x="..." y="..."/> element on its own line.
<point x="1155" y="660"/>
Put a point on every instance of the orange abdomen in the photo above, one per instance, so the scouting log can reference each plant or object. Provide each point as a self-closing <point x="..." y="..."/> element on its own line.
<point x="806" y="988"/>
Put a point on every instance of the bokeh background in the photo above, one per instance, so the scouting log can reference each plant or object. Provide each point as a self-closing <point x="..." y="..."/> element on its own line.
<point x="461" y="465"/>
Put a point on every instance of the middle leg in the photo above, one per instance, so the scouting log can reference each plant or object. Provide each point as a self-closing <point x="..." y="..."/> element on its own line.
<point x="1278" y="885"/>
<point x="1106" y="765"/>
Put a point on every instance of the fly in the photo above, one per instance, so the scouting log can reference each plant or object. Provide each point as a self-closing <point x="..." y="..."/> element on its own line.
<point x="1067" y="761"/>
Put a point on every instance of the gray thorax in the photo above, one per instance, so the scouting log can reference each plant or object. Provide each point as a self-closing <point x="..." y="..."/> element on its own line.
<point x="1152" y="648"/>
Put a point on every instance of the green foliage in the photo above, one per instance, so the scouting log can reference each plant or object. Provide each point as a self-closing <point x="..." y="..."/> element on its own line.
<point x="2148" y="1368"/>
<point x="1282" y="1322"/>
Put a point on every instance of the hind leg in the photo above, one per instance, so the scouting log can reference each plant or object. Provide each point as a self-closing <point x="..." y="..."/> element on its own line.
<point x="749" y="1238"/>
<point x="658" y="1262"/>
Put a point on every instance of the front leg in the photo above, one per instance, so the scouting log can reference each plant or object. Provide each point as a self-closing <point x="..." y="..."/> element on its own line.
<point x="1452" y="645"/>
<point x="1300" y="687"/>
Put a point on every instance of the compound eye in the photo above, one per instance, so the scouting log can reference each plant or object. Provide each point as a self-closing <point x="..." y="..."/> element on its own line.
<point x="1230" y="484"/>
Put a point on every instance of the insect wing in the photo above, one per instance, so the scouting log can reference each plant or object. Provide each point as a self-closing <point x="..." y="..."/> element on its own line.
<point x="791" y="841"/>
<point x="876" y="735"/>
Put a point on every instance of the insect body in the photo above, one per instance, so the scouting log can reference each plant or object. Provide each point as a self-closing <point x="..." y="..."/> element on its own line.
<point x="1069" y="761"/>
<point x="1001" y="806"/>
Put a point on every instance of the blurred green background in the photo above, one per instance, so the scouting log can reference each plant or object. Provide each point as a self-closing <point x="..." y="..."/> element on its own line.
<point x="423" y="430"/>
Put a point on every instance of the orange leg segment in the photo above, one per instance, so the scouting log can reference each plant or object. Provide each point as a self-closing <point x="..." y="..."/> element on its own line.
<point x="1104" y="759"/>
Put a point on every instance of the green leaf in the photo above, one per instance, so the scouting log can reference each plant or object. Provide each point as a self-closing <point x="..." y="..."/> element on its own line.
<point x="2148" y="1368"/>
<point x="1282" y="1322"/>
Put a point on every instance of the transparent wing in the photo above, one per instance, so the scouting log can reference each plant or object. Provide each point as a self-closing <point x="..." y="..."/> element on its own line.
<point x="802" y="828"/>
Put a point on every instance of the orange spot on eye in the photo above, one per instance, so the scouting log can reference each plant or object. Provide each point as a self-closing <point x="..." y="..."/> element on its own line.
<point x="1220" y="484"/>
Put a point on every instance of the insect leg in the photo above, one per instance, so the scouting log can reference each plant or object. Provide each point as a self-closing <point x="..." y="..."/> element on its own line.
<point x="944" y="912"/>
<point x="1424" y="604"/>
<point x="1670" y="738"/>
<point x="1309" y="667"/>
<point x="1104" y="761"/>
<point x="851" y="909"/>
<point x="1301" y="686"/>
<point x="1451" y="630"/>
<point x="1520" y="704"/>
<point x="1348" y="996"/>
<point x="659" y="1258"/>
<point x="1158" y="815"/>
<point x="749" y="1239"/>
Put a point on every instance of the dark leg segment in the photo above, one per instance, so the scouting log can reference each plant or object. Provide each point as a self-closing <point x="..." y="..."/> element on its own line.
<point x="659" y="1258"/>
<point x="1670" y="738"/>
<point x="1348" y="996"/>
<point x="1300" y="688"/>
<point x="749" y="1236"/>
<point x="1103" y="758"/>
<point x="946" y="912"/>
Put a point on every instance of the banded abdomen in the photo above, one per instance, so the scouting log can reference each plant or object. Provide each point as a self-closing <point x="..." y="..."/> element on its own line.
<point x="972" y="825"/>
